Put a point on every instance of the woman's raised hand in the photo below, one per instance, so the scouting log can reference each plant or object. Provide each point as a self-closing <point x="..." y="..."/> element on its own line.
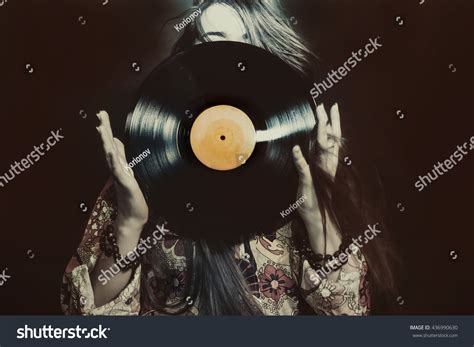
<point x="329" y="139"/>
<point x="132" y="207"/>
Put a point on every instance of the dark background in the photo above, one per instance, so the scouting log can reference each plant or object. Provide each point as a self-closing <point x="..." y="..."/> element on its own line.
<point x="89" y="67"/>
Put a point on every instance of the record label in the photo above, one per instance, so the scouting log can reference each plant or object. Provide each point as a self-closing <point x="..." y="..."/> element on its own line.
<point x="227" y="172"/>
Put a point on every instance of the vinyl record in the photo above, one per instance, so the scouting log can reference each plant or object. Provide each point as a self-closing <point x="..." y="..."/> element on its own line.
<point x="219" y="122"/>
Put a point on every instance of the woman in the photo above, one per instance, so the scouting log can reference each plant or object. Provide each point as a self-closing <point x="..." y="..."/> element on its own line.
<point x="271" y="274"/>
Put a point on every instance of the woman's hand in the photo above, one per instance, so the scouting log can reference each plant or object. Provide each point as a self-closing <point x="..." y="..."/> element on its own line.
<point x="131" y="217"/>
<point x="329" y="138"/>
<point x="132" y="208"/>
<point x="329" y="135"/>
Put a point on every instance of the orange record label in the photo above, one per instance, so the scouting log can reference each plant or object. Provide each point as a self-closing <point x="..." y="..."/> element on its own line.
<point x="223" y="137"/>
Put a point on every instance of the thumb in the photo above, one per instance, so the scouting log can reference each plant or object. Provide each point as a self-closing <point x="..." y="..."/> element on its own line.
<point x="122" y="157"/>
<point x="302" y="166"/>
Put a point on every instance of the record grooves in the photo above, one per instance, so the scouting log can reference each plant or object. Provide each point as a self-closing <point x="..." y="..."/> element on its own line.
<point x="225" y="201"/>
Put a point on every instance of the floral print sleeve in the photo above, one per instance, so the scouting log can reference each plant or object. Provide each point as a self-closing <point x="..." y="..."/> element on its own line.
<point x="348" y="295"/>
<point x="77" y="296"/>
<point x="280" y="281"/>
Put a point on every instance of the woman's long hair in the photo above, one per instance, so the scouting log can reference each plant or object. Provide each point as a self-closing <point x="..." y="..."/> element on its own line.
<point x="217" y="285"/>
<point x="267" y="28"/>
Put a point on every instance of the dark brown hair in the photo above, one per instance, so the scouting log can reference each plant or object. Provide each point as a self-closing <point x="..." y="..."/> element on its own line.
<point x="216" y="282"/>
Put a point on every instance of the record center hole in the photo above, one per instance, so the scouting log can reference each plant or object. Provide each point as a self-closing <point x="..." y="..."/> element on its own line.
<point x="222" y="137"/>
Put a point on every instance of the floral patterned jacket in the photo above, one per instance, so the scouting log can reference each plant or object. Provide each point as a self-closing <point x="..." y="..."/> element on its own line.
<point x="280" y="283"/>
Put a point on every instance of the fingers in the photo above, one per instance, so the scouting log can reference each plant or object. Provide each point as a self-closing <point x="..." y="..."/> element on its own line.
<point x="105" y="122"/>
<point x="122" y="156"/>
<point x="105" y="133"/>
<point x="111" y="151"/>
<point x="336" y="139"/>
<point x="336" y="121"/>
<point x="120" y="147"/>
<point x="322" y="126"/>
<point x="329" y="137"/>
<point x="332" y="126"/>
<point x="302" y="166"/>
